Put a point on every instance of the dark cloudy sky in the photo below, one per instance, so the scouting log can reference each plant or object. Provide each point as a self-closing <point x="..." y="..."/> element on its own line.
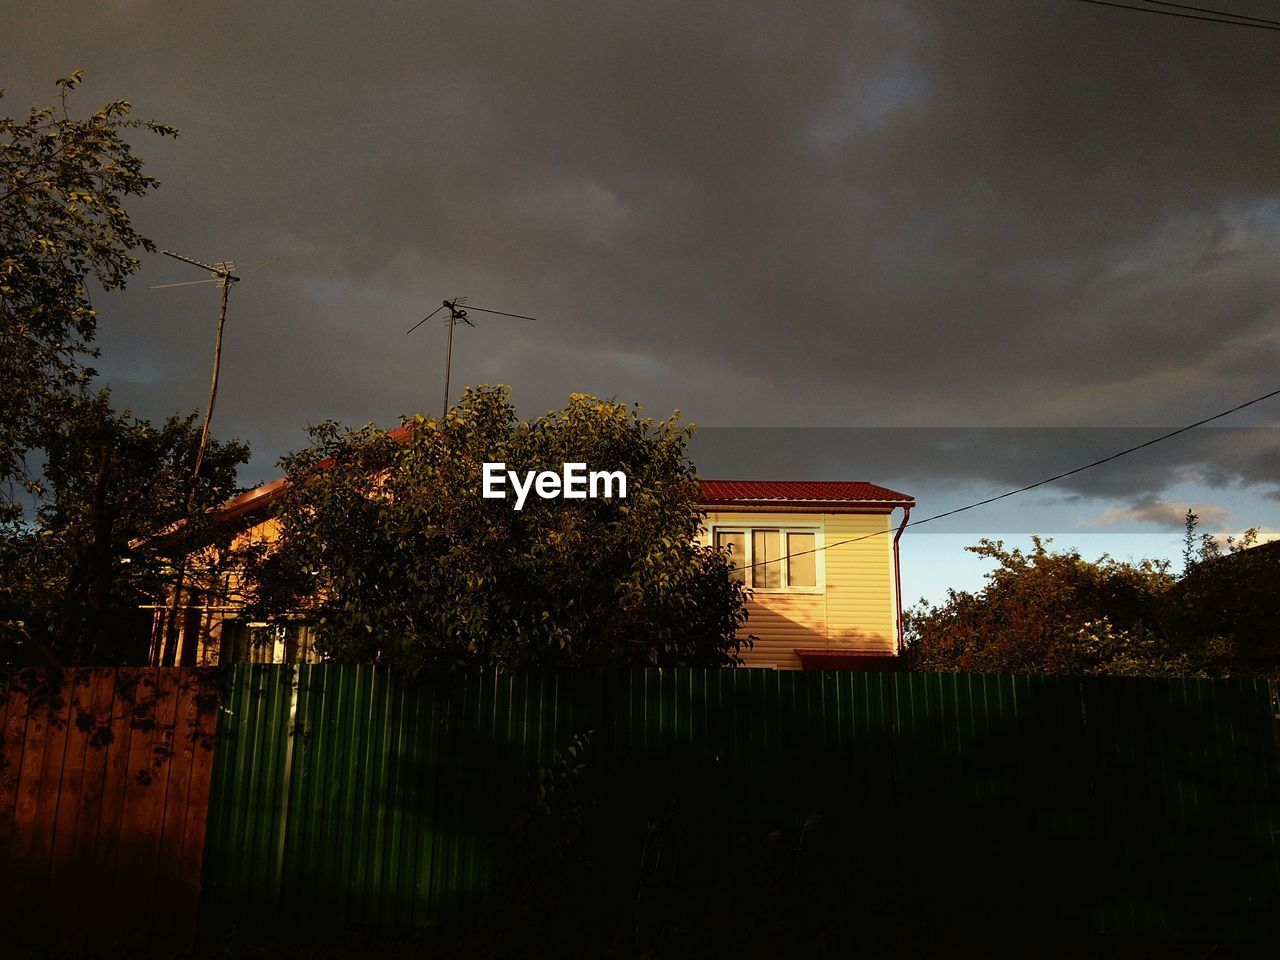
<point x="931" y="214"/>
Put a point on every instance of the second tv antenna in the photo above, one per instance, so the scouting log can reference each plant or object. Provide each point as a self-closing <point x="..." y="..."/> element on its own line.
<point x="457" y="315"/>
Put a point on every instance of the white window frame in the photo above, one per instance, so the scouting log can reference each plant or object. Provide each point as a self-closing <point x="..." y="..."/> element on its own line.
<point x="819" y="539"/>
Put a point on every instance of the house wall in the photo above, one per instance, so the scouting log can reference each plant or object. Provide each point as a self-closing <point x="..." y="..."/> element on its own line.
<point x="854" y="610"/>
<point x="209" y="604"/>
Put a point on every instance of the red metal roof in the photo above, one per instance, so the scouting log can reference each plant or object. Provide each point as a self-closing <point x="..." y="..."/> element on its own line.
<point x="775" y="493"/>
<point x="714" y="492"/>
<point x="800" y="493"/>
<point x="268" y="493"/>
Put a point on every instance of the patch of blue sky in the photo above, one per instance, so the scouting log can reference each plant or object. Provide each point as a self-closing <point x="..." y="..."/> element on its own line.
<point x="1147" y="527"/>
<point x="933" y="564"/>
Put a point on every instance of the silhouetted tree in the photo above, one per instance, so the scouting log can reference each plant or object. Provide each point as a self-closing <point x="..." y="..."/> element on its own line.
<point x="78" y="482"/>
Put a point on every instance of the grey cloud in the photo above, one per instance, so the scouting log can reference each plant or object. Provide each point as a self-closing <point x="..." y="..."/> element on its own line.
<point x="892" y="214"/>
<point x="1006" y="458"/>
<point x="1163" y="513"/>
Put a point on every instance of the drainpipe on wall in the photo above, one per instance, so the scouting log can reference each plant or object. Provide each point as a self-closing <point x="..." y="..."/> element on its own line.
<point x="897" y="577"/>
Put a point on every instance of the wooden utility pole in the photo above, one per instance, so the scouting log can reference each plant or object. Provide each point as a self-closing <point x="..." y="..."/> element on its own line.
<point x="227" y="280"/>
<point x="166" y="651"/>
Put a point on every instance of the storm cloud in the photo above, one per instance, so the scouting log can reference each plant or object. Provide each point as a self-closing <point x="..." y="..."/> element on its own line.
<point x="997" y="217"/>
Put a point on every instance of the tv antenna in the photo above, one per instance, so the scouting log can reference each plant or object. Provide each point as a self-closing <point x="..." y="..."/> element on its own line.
<point x="223" y="274"/>
<point x="457" y="315"/>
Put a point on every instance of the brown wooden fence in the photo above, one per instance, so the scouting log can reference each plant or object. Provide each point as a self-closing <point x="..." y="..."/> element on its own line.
<point x="104" y="796"/>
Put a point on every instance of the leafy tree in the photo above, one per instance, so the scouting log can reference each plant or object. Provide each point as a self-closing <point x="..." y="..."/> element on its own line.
<point x="1055" y="612"/>
<point x="63" y="181"/>
<point x="1201" y="548"/>
<point x="388" y="546"/>
<point x="76" y="575"/>
<point x="1229" y="593"/>
<point x="80" y="482"/>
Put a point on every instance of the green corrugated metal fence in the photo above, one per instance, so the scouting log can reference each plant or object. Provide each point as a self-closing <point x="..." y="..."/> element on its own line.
<point x="351" y="796"/>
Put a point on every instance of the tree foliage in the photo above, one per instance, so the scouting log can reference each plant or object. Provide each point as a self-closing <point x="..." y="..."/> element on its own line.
<point x="82" y="485"/>
<point x="76" y="575"/>
<point x="1055" y="612"/>
<point x="63" y="181"/>
<point x="388" y="546"/>
<point x="1230" y="592"/>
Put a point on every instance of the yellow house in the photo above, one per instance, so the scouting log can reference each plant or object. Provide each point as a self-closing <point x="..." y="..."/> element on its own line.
<point x="821" y="559"/>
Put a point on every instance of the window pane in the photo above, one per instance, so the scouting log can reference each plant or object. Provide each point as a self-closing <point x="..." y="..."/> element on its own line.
<point x="736" y="543"/>
<point x="765" y="553"/>
<point x="802" y="571"/>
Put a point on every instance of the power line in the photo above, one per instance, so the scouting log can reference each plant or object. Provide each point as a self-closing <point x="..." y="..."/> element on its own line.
<point x="1029" y="486"/>
<point x="1220" y="13"/>
<point x="1238" y="20"/>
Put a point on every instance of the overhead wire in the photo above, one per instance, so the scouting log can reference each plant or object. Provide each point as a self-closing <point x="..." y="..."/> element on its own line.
<point x="425" y="319"/>
<point x="1023" y="489"/>
<point x="1182" y="12"/>
<point x="1220" y="13"/>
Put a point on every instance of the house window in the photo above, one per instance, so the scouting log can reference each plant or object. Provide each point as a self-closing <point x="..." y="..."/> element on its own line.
<point x="802" y="558"/>
<point x="734" y="542"/>
<point x="774" y="558"/>
<point x="766" y="559"/>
